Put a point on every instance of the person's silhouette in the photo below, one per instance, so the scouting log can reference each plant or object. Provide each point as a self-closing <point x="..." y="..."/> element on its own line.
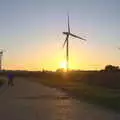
<point x="10" y="79"/>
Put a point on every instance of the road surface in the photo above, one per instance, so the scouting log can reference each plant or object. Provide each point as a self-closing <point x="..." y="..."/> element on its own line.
<point x="32" y="101"/>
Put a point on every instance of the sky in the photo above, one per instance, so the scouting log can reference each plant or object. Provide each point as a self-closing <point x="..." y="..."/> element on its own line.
<point x="31" y="33"/>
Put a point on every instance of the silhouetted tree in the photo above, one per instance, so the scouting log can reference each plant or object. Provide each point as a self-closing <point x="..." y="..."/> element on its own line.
<point x="111" y="68"/>
<point x="60" y="70"/>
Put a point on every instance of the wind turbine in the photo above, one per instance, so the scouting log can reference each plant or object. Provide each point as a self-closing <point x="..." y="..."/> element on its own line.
<point x="1" y="54"/>
<point x="66" y="42"/>
<point x="119" y="48"/>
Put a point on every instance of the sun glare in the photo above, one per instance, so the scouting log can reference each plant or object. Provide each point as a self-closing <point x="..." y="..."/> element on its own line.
<point x="63" y="65"/>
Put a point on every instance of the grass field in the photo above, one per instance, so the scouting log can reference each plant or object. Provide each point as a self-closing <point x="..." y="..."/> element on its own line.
<point x="2" y="82"/>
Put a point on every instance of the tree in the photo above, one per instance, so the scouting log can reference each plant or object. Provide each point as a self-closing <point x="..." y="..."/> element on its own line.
<point x="60" y="70"/>
<point x="111" y="68"/>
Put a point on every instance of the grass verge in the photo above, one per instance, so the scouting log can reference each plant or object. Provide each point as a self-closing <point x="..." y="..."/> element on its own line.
<point x="2" y="82"/>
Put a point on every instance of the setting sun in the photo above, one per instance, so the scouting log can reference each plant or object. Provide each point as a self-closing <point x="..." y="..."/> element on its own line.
<point x="63" y="65"/>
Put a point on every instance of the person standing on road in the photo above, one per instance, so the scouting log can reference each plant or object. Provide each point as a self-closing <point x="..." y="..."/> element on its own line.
<point x="10" y="79"/>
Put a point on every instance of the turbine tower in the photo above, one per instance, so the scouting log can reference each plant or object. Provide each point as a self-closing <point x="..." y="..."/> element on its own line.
<point x="1" y="54"/>
<point x="66" y="42"/>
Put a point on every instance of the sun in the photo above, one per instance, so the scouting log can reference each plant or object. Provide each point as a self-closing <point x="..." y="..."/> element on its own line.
<point x="63" y="65"/>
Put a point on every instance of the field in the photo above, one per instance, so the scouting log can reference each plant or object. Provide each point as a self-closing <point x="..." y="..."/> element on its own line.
<point x="2" y="81"/>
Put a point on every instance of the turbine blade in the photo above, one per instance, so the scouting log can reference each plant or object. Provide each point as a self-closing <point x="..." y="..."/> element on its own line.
<point x="65" y="40"/>
<point x="77" y="36"/>
<point x="68" y="24"/>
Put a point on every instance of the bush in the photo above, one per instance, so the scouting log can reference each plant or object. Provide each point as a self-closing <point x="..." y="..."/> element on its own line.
<point x="111" y="68"/>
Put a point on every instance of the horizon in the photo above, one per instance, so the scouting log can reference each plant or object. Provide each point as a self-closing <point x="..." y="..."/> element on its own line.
<point x="63" y="69"/>
<point x="31" y="34"/>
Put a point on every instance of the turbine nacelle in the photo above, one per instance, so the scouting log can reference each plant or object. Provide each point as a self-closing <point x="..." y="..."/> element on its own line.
<point x="1" y="52"/>
<point x="66" y="33"/>
<point x="73" y="35"/>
